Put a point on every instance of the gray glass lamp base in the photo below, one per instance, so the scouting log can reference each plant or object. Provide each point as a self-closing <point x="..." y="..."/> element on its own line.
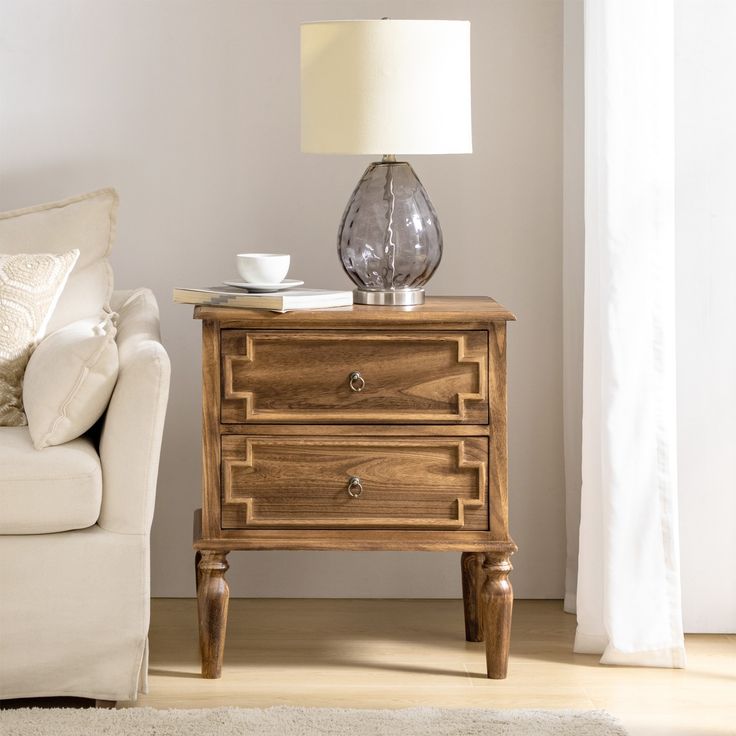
<point x="389" y="240"/>
<point x="395" y="298"/>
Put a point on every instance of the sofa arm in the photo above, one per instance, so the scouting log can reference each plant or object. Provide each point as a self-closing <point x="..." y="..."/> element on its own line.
<point x="130" y="443"/>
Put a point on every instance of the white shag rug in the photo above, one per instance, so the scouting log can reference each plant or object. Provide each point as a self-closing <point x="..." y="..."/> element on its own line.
<point x="282" y="721"/>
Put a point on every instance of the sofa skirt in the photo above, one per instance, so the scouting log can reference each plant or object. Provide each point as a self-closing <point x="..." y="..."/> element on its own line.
<point x="74" y="614"/>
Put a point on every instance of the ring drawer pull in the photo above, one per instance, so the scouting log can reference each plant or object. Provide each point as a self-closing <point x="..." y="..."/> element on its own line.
<point x="356" y="381"/>
<point x="355" y="487"/>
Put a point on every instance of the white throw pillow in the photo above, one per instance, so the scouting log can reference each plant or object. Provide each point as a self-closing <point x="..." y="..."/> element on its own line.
<point x="30" y="286"/>
<point x="69" y="380"/>
<point x="87" y="223"/>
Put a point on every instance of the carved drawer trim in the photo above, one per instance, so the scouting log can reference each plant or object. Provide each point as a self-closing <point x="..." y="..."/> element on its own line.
<point x="470" y="453"/>
<point x="240" y="404"/>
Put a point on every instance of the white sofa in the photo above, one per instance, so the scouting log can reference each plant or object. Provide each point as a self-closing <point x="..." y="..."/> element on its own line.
<point x="74" y="534"/>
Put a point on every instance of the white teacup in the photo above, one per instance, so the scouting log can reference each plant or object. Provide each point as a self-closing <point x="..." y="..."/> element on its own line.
<point x="263" y="268"/>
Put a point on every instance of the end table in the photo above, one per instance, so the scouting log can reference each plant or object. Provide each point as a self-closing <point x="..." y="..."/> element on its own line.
<point x="357" y="428"/>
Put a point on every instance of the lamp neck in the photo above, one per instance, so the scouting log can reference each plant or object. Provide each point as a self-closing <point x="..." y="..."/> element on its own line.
<point x="388" y="158"/>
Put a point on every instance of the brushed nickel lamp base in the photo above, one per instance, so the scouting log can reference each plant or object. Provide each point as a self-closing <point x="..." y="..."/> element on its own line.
<point x="396" y="298"/>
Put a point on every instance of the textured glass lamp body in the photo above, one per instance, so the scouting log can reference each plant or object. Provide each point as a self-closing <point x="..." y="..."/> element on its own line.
<point x="389" y="241"/>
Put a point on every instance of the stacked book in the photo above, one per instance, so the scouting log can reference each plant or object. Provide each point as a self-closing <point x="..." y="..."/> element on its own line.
<point x="275" y="301"/>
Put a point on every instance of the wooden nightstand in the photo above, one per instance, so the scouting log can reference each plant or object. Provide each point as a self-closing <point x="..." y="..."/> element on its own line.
<point x="360" y="428"/>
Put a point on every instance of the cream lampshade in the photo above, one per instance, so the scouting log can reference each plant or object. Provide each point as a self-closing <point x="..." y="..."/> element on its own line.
<point x="384" y="87"/>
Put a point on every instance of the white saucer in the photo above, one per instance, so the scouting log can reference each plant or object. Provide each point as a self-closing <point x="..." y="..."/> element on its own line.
<point x="285" y="284"/>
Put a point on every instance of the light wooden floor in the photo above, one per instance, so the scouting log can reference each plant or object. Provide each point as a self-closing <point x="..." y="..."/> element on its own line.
<point x="395" y="654"/>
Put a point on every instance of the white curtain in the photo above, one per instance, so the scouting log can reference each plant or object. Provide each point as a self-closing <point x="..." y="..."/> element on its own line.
<point x="628" y="587"/>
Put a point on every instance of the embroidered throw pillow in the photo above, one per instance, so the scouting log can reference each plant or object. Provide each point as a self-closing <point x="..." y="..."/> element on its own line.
<point x="86" y="223"/>
<point x="69" y="380"/>
<point x="30" y="286"/>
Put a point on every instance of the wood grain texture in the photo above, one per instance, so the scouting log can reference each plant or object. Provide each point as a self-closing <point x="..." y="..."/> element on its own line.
<point x="444" y="312"/>
<point x="280" y="482"/>
<point x="213" y="595"/>
<point x="197" y="560"/>
<point x="497" y="598"/>
<point x="471" y="564"/>
<point x="404" y="376"/>
<point x="211" y="427"/>
<point x="283" y="434"/>
<point x="357" y="430"/>
<point x="358" y="540"/>
<point x="498" y="465"/>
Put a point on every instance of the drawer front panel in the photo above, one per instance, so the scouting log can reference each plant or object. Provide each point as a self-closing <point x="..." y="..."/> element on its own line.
<point x="292" y="482"/>
<point x="351" y="377"/>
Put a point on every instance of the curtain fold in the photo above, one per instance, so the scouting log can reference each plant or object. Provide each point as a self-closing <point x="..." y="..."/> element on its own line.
<point x="628" y="588"/>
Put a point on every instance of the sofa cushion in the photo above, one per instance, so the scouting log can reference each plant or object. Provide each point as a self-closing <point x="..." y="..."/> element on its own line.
<point x="51" y="490"/>
<point x="88" y="223"/>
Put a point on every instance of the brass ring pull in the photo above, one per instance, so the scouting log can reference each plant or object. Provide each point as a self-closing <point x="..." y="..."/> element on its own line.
<point x="355" y="487"/>
<point x="356" y="381"/>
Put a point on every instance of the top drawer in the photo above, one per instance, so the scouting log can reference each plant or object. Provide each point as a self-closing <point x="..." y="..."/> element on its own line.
<point x="354" y="377"/>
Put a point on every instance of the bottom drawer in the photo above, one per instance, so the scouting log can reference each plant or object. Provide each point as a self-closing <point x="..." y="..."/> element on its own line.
<point x="390" y="483"/>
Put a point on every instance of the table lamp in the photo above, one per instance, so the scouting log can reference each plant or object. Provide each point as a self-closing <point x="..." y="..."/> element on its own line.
<point x="387" y="87"/>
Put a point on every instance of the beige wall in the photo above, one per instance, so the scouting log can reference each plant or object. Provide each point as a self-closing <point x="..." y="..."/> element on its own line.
<point x="191" y="110"/>
<point x="573" y="280"/>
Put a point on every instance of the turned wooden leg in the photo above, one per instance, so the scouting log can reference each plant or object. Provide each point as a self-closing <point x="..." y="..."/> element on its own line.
<point x="212" y="599"/>
<point x="471" y="566"/>
<point x="197" y="558"/>
<point x="497" y="599"/>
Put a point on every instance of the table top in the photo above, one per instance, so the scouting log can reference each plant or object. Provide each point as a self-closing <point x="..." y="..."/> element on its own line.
<point x="435" y="310"/>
